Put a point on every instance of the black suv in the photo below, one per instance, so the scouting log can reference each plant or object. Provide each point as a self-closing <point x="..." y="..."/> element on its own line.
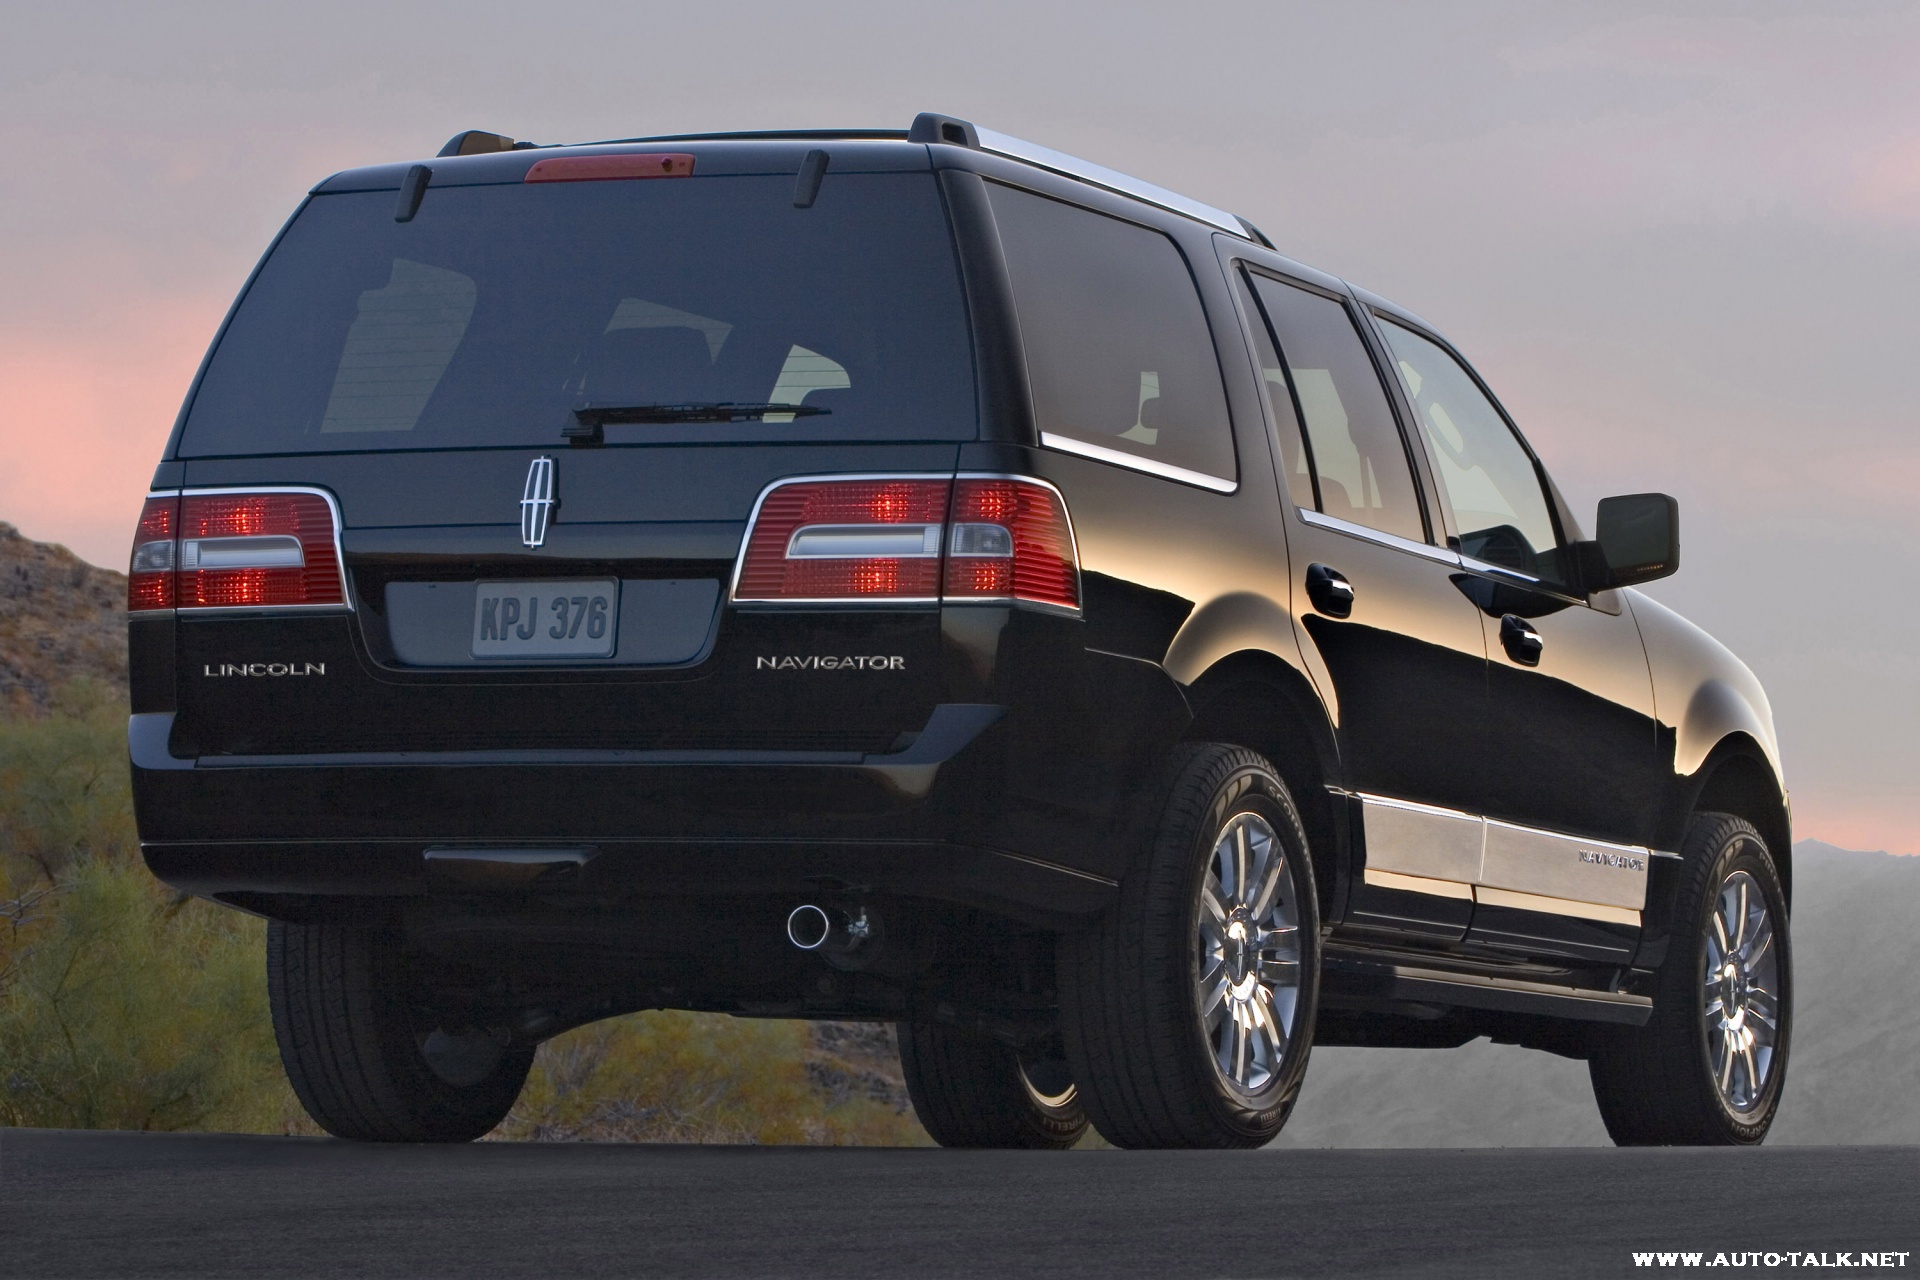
<point x="919" y="576"/>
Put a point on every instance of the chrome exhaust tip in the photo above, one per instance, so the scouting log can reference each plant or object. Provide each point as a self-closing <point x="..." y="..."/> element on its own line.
<point x="809" y="927"/>
<point x="833" y="933"/>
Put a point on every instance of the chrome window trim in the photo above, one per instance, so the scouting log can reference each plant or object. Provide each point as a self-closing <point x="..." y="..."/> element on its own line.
<point x="1165" y="471"/>
<point x="1501" y="571"/>
<point x="339" y="553"/>
<point x="1394" y="540"/>
<point x="1100" y="176"/>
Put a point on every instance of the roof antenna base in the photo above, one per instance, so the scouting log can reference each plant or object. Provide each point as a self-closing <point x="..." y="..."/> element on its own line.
<point x="476" y="142"/>
<point x="929" y="127"/>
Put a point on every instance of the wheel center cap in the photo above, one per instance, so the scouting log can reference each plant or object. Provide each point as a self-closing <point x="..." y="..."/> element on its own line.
<point x="1733" y="989"/>
<point x="1240" y="949"/>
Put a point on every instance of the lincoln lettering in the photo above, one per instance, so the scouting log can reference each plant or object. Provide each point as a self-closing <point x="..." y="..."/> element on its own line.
<point x="218" y="669"/>
<point x="814" y="662"/>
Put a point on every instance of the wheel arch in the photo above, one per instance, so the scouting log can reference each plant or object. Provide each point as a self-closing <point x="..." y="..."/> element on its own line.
<point x="1253" y="699"/>
<point x="1738" y="778"/>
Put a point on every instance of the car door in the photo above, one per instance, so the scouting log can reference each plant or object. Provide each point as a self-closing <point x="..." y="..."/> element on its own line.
<point x="1397" y="649"/>
<point x="1567" y="763"/>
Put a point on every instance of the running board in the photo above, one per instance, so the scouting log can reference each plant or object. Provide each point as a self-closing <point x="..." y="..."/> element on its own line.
<point x="1353" y="982"/>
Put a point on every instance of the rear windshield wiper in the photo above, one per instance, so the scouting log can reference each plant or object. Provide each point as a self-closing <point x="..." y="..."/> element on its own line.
<point x="589" y="421"/>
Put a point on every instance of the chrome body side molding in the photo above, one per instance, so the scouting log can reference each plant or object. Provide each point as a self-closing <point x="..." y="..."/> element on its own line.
<point x="1422" y="848"/>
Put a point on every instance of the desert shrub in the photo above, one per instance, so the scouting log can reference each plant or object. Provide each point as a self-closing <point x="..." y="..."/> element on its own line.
<point x="669" y="1076"/>
<point x="126" y="1008"/>
<point x="63" y="785"/>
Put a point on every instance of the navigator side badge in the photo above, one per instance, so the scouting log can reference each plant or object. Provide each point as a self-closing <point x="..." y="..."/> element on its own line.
<point x="537" y="503"/>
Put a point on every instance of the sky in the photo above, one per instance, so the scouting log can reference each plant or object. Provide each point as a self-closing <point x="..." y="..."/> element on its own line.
<point x="1682" y="242"/>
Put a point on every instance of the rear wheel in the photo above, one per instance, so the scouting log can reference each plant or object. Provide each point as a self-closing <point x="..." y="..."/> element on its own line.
<point x="1188" y="1011"/>
<point x="1707" y="1068"/>
<point x="364" y="1059"/>
<point x="973" y="1091"/>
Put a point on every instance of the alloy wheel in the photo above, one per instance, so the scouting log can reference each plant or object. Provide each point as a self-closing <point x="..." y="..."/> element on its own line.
<point x="1740" y="998"/>
<point x="1248" y="954"/>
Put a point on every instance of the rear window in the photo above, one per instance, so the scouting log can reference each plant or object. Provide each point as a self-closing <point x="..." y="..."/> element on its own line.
<point x="501" y="310"/>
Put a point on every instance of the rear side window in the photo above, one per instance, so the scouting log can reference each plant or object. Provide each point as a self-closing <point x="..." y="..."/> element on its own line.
<point x="1361" y="472"/>
<point x="1118" y="352"/>
<point x="501" y="310"/>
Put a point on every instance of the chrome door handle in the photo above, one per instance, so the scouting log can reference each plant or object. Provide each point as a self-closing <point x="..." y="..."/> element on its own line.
<point x="1330" y="591"/>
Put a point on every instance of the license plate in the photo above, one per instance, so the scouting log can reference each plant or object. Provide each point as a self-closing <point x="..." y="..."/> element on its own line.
<point x="571" y="619"/>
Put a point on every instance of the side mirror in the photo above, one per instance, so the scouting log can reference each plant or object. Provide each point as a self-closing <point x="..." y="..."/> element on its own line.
<point x="1636" y="539"/>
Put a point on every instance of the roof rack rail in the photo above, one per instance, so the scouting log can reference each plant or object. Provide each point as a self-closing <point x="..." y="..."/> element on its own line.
<point x="931" y="127"/>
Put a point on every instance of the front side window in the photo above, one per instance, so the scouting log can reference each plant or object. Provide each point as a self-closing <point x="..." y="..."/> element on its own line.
<point x="1487" y="477"/>
<point x="1118" y="352"/>
<point x="1353" y="445"/>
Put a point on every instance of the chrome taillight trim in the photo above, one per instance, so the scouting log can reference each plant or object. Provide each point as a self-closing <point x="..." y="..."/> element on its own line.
<point x="339" y="553"/>
<point x="1073" y="549"/>
<point x="753" y="519"/>
<point x="949" y="478"/>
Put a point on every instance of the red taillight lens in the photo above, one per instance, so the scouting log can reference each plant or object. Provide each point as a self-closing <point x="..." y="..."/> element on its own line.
<point x="846" y="540"/>
<point x="978" y="538"/>
<point x="251" y="549"/>
<point x="150" y="571"/>
<point x="235" y="550"/>
<point x="1011" y="541"/>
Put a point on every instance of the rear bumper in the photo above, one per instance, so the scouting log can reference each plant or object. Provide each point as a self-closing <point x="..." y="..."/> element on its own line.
<point x="304" y="878"/>
<point x="932" y="820"/>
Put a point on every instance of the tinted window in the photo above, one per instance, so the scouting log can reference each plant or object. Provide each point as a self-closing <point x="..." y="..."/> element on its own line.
<point x="1487" y="477"/>
<point x="499" y="310"/>
<point x="1118" y="352"/>
<point x="1293" y="456"/>
<point x="1359" y="460"/>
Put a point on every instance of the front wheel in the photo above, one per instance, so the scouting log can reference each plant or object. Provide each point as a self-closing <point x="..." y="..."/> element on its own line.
<point x="1707" y="1068"/>
<point x="363" y="1060"/>
<point x="1188" y="1010"/>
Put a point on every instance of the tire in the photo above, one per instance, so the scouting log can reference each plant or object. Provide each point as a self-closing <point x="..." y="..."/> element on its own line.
<point x="358" y="1059"/>
<point x="1707" y="1068"/>
<point x="1159" y="1063"/>
<point x="973" y="1091"/>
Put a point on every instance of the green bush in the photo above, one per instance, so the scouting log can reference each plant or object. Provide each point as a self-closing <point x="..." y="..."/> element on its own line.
<point x="63" y="786"/>
<point x="126" y="1009"/>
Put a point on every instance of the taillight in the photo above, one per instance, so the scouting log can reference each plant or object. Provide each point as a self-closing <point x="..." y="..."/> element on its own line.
<point x="150" y="572"/>
<point x="910" y="539"/>
<point x="237" y="550"/>
<point x="846" y="540"/>
<point x="1011" y="541"/>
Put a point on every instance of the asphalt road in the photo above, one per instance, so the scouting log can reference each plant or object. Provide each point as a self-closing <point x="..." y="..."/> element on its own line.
<point x="122" y="1204"/>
